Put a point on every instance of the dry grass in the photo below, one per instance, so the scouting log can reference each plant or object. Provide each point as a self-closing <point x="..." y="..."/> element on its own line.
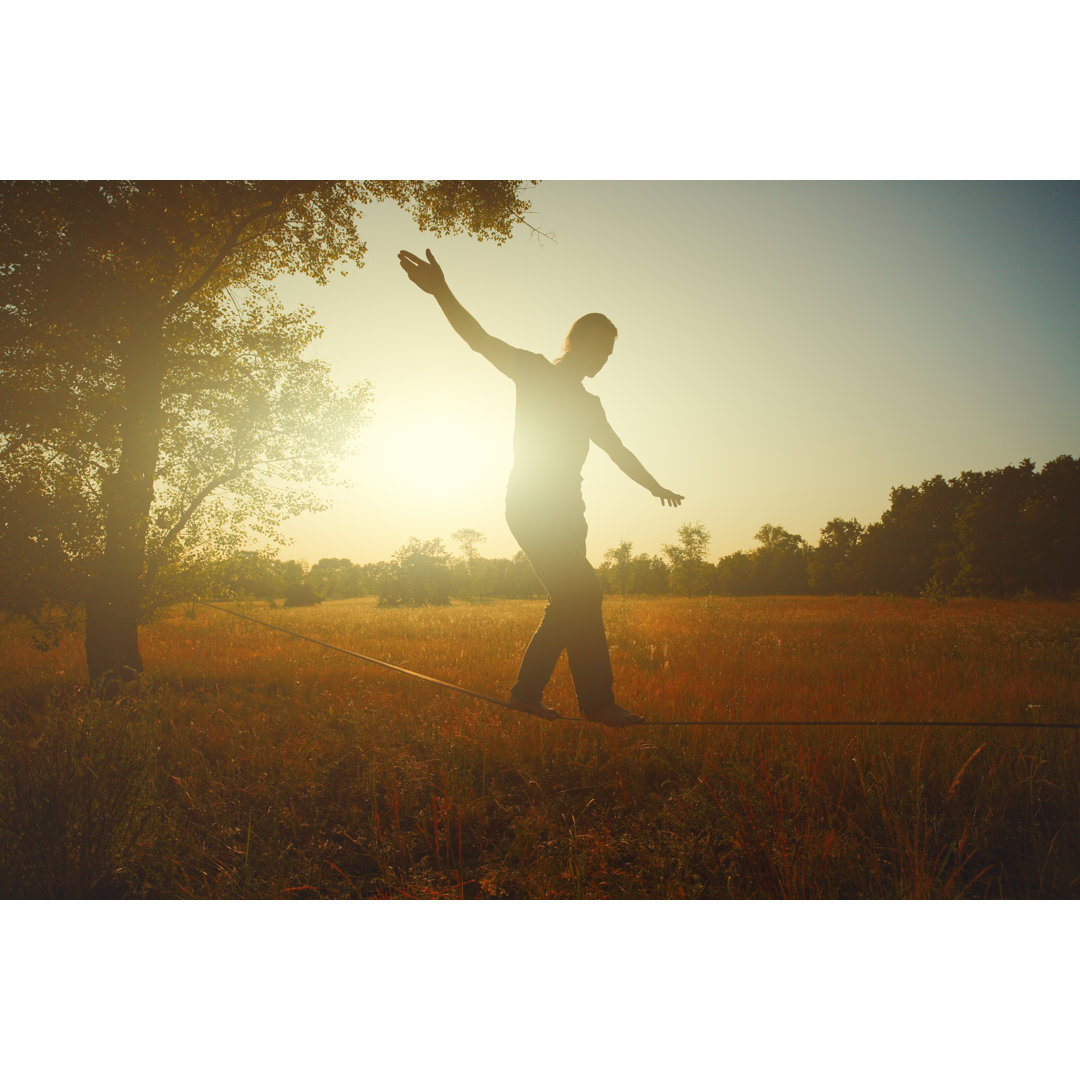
<point x="250" y="764"/>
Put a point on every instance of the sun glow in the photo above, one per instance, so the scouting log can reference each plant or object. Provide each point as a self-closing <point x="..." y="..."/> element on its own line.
<point x="439" y="457"/>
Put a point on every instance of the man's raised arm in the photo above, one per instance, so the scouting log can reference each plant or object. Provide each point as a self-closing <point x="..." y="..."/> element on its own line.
<point x="429" y="277"/>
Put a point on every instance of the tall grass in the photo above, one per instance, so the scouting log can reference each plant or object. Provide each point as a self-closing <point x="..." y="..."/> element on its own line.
<point x="76" y="790"/>
<point x="250" y="764"/>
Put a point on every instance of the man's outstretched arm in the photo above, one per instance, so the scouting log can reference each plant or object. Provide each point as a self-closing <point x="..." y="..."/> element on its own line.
<point x="429" y="277"/>
<point x="613" y="446"/>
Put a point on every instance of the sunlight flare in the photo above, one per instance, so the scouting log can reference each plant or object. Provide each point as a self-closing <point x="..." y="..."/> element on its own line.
<point x="435" y="457"/>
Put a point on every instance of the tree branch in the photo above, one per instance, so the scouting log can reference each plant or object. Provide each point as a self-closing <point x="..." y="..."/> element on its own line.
<point x="228" y="247"/>
<point x="208" y="489"/>
<point x="204" y="493"/>
<point x="57" y="452"/>
<point x="520" y="218"/>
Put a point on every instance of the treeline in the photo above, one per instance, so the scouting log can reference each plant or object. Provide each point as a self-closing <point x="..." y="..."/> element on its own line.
<point x="1003" y="533"/>
<point x="420" y="572"/>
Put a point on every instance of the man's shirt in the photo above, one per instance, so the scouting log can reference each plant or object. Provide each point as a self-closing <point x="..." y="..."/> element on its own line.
<point x="555" y="418"/>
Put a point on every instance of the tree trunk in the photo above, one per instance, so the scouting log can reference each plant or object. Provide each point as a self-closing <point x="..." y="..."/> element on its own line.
<point x="112" y="609"/>
<point x="112" y="637"/>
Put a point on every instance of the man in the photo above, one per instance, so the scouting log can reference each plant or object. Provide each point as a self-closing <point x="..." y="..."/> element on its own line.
<point x="555" y="420"/>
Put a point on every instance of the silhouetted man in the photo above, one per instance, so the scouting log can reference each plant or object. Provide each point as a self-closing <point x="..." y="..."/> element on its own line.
<point x="555" y="420"/>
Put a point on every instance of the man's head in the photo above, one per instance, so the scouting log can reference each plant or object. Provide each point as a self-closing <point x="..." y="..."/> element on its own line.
<point x="592" y="337"/>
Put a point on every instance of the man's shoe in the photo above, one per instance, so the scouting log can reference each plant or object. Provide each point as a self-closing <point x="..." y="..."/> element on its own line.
<point x="535" y="708"/>
<point x="612" y="715"/>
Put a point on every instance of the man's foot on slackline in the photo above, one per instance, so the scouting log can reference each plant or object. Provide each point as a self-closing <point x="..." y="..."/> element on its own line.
<point x="613" y="715"/>
<point x="536" y="708"/>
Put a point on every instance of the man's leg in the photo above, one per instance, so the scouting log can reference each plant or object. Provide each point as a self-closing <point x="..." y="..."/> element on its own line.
<point x="586" y="641"/>
<point x="573" y="619"/>
<point x="538" y="663"/>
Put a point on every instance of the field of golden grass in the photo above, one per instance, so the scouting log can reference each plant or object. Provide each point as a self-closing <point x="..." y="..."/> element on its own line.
<point x="247" y="764"/>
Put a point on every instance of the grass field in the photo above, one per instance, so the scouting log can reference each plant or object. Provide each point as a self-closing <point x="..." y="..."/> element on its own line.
<point x="250" y="764"/>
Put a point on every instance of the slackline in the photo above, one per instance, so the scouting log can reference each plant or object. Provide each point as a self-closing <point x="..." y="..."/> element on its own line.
<point x="1032" y="724"/>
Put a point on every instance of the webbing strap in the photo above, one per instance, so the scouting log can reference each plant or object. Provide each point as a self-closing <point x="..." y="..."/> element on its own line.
<point x="369" y="659"/>
<point x="1027" y="724"/>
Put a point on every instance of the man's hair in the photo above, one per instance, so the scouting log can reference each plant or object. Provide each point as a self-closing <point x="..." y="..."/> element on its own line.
<point x="587" y="325"/>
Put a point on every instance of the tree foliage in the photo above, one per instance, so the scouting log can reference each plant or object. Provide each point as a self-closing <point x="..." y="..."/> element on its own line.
<point x="689" y="569"/>
<point x="830" y="566"/>
<point x="159" y="405"/>
<point x="419" y="574"/>
<point x="996" y="533"/>
<point x="469" y="540"/>
<point x="618" y="564"/>
<point x="1000" y="533"/>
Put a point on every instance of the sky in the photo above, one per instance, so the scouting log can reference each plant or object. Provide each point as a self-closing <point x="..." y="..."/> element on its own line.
<point x="788" y="352"/>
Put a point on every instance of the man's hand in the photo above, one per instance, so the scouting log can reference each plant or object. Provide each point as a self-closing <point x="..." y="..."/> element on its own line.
<point x="425" y="275"/>
<point x="668" y="498"/>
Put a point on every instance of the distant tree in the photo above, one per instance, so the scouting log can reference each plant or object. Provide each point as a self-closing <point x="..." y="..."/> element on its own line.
<point x="145" y="366"/>
<point x="509" y="577"/>
<point x="370" y="575"/>
<point x="469" y="540"/>
<point x="779" y="562"/>
<point x="419" y="574"/>
<point x="689" y="570"/>
<point x="1054" y="514"/>
<point x="735" y="574"/>
<point x="830" y="566"/>
<point x="290" y="572"/>
<point x="648" y="575"/>
<point x="1019" y="530"/>
<point x="241" y="574"/>
<point x="915" y="540"/>
<point x="335" y="578"/>
<point x="617" y="565"/>
<point x="775" y="539"/>
<point x="996" y="533"/>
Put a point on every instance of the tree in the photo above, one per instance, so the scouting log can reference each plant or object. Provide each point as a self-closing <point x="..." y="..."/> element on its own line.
<point x="289" y="572"/>
<point x="243" y="573"/>
<point x="830" y="564"/>
<point x="237" y="456"/>
<point x="735" y="574"/>
<point x="648" y="575"/>
<point x="617" y="564"/>
<point x="994" y="532"/>
<point x="689" y="569"/>
<point x="469" y="540"/>
<point x="138" y="335"/>
<point x="915" y="540"/>
<point x="419" y="574"/>
<point x="1055" y="517"/>
<point x="335" y="578"/>
<point x="780" y="561"/>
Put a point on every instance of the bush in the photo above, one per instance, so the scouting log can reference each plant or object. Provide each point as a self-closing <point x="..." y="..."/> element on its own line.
<point x="301" y="595"/>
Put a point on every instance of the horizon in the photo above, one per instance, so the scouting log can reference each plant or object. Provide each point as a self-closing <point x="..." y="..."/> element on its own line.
<point x="598" y="557"/>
